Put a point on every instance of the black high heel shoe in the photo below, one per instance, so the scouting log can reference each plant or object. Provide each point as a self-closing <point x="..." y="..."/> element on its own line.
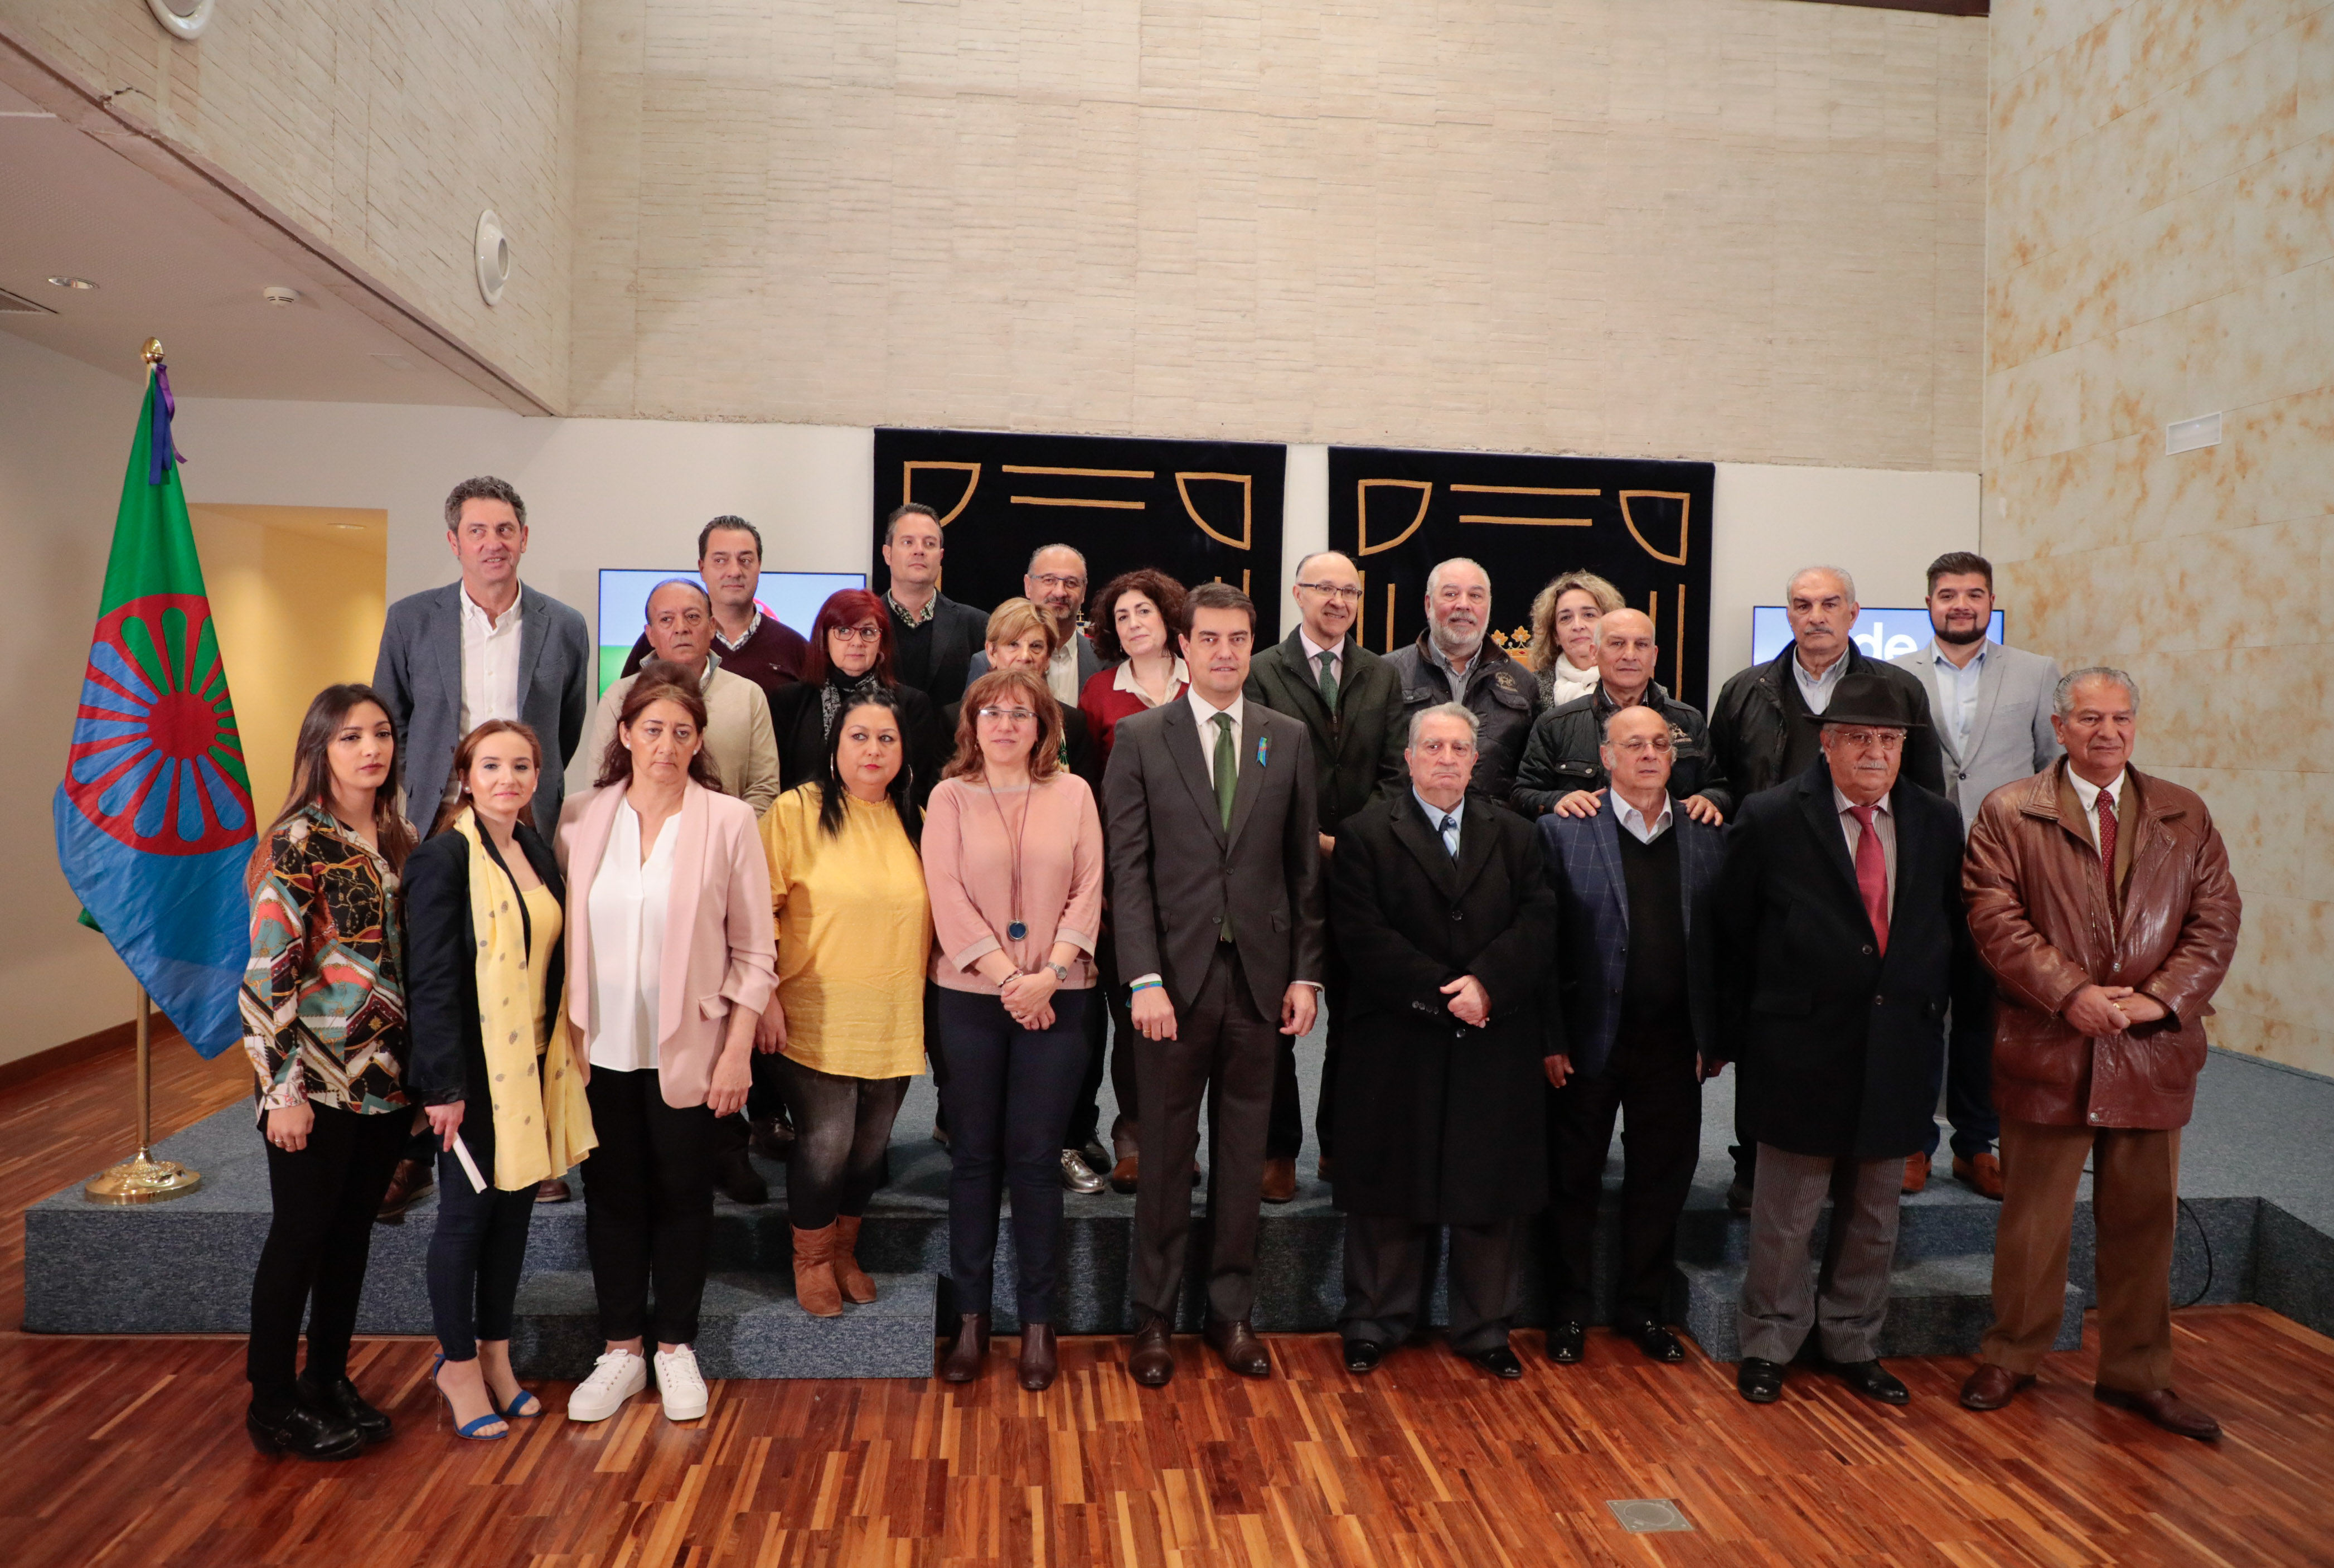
<point x="340" y="1398"/>
<point x="302" y="1433"/>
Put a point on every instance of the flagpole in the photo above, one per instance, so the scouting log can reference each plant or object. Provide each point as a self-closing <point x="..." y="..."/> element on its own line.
<point x="142" y="1178"/>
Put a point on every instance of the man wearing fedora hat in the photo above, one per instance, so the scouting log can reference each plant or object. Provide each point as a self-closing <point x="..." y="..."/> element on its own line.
<point x="1841" y="944"/>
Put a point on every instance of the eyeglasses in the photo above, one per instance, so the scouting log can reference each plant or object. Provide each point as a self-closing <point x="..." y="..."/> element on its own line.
<point x="1057" y="580"/>
<point x="1334" y="591"/>
<point x="1858" y="740"/>
<point x="869" y="633"/>
<point x="1012" y="715"/>
<point x="1639" y="744"/>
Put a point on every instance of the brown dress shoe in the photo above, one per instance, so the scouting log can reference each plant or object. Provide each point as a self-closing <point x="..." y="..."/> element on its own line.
<point x="1327" y="1169"/>
<point x="1990" y="1387"/>
<point x="1279" y="1180"/>
<point x="849" y="1277"/>
<point x="1152" y="1360"/>
<point x="1038" y="1361"/>
<point x="1125" y="1173"/>
<point x="409" y="1183"/>
<point x="1241" y="1350"/>
<point x="1981" y="1174"/>
<point x="969" y="1350"/>
<point x="1916" y="1172"/>
<point x="814" y="1285"/>
<point x="2165" y="1407"/>
<point x="552" y="1190"/>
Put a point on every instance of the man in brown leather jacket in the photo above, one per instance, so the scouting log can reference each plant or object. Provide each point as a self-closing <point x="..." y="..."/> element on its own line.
<point x="2101" y="900"/>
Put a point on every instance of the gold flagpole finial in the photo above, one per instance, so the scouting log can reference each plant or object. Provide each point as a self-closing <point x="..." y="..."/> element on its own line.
<point x="152" y="351"/>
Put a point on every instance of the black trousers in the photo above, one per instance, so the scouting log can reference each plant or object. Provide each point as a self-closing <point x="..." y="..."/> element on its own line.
<point x="479" y="1246"/>
<point x="1009" y="1088"/>
<point x="1224" y="1051"/>
<point x="318" y="1242"/>
<point x="843" y="1131"/>
<point x="648" y="1216"/>
<point x="1390" y="1263"/>
<point x="1656" y="1088"/>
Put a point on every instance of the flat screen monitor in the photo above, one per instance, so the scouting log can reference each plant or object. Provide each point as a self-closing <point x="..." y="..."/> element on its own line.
<point x="794" y="598"/>
<point x="1881" y="632"/>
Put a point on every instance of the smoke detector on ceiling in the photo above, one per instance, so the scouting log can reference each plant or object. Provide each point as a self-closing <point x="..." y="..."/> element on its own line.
<point x="184" y="20"/>
<point x="277" y="295"/>
<point x="493" y="257"/>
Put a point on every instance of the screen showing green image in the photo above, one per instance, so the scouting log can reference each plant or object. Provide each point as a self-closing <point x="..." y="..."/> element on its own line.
<point x="794" y="598"/>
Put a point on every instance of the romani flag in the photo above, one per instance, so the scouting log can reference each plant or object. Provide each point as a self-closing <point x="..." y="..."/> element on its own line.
<point x="153" y="820"/>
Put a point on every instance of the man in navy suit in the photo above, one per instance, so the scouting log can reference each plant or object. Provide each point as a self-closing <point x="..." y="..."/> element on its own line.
<point x="1639" y="1002"/>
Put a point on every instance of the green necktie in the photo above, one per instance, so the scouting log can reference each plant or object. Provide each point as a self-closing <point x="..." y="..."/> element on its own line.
<point x="1327" y="659"/>
<point x="1227" y="769"/>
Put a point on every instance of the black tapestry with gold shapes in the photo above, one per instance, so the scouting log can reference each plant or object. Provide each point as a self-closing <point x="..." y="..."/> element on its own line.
<point x="1643" y="526"/>
<point x="1199" y="511"/>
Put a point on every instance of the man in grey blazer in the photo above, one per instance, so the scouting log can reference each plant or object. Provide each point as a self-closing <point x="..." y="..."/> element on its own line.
<point x="1992" y="708"/>
<point x="1215" y="884"/>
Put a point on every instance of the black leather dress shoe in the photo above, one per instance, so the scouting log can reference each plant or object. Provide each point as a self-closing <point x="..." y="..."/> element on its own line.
<point x="1237" y="1343"/>
<point x="1498" y="1361"/>
<point x="1152" y="1360"/>
<point x="302" y="1433"/>
<point x="1567" y="1343"/>
<point x="1759" y="1381"/>
<point x="1658" y="1343"/>
<point x="340" y="1398"/>
<point x="1363" y="1355"/>
<point x="1873" y="1380"/>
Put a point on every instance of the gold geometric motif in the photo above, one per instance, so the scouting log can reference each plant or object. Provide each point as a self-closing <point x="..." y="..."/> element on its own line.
<point x="1425" y="489"/>
<point x="1247" y="482"/>
<point x="1524" y="490"/>
<point x="1685" y="510"/>
<point x="907" y="483"/>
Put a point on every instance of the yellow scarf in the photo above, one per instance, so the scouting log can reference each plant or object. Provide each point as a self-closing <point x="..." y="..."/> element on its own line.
<point x="541" y="1129"/>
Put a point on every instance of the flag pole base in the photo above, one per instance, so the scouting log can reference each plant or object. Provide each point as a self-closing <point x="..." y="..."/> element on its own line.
<point x="141" y="1179"/>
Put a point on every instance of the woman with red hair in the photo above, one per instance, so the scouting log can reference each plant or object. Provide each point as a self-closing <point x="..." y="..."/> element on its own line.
<point x="851" y="656"/>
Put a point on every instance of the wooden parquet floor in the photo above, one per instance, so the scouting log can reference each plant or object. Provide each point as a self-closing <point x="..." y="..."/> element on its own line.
<point x="130" y="1451"/>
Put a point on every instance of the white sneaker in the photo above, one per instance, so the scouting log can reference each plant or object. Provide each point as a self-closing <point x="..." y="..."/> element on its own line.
<point x="680" y="1384"/>
<point x="615" y="1378"/>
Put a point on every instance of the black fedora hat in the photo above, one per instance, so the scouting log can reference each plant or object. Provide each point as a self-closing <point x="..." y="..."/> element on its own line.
<point x="1862" y="698"/>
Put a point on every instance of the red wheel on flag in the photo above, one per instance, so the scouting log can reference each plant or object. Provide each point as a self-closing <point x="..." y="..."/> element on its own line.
<point x="155" y="761"/>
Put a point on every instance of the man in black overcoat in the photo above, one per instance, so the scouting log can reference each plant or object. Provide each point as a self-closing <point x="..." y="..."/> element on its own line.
<point x="1841" y="942"/>
<point x="1445" y="913"/>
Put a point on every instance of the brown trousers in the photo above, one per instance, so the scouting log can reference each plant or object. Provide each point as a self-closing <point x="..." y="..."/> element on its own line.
<point x="2134" y="1184"/>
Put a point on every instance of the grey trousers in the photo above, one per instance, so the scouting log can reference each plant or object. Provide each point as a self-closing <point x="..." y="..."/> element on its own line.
<point x="1848" y="1300"/>
<point x="1390" y="1263"/>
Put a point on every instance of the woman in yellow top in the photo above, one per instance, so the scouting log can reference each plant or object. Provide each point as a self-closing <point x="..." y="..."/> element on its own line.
<point x="505" y="1094"/>
<point x="854" y="932"/>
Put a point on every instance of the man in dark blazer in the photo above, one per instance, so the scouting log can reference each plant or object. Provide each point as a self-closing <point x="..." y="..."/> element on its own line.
<point x="1350" y="701"/>
<point x="1637" y="948"/>
<point x="1215" y="882"/>
<point x="1841" y="944"/>
<point x="1445" y="913"/>
<point x="933" y="637"/>
<point x="1056" y="584"/>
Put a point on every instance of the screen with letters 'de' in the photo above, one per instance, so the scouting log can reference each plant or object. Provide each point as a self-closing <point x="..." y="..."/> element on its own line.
<point x="1881" y="633"/>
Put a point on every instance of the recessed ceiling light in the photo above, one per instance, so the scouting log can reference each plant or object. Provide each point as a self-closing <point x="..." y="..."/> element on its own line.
<point x="394" y="361"/>
<point x="72" y="283"/>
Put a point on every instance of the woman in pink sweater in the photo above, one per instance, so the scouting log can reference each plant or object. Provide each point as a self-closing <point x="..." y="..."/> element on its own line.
<point x="1013" y="861"/>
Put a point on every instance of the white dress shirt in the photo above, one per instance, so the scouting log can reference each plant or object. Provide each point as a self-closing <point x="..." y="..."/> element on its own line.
<point x="1956" y="692"/>
<point x="1313" y="651"/>
<point x="1816" y="690"/>
<point x="1884" y="822"/>
<point x="489" y="668"/>
<point x="1206" y="712"/>
<point x="628" y="919"/>
<point x="1124" y="680"/>
<point x="1062" y="673"/>
<point x="1632" y="821"/>
<point x="2086" y="796"/>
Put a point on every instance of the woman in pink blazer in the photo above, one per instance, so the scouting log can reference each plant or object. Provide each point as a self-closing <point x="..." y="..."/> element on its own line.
<point x="669" y="962"/>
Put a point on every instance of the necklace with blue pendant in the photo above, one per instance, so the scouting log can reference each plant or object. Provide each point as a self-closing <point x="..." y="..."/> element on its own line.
<point x="1018" y="931"/>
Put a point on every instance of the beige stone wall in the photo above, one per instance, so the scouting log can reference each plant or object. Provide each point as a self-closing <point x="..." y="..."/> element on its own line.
<point x="375" y="131"/>
<point x="2161" y="246"/>
<point x="1720" y="228"/>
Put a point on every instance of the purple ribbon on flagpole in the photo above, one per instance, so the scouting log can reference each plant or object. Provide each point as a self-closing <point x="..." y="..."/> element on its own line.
<point x="165" y="406"/>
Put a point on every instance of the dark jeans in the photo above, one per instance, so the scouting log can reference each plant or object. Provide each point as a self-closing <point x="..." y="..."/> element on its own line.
<point x="843" y="1128"/>
<point x="479" y="1246"/>
<point x="1657" y="1092"/>
<point x="1008" y="1089"/>
<point x="314" y="1260"/>
<point x="1968" y="1093"/>
<point x="648" y="1214"/>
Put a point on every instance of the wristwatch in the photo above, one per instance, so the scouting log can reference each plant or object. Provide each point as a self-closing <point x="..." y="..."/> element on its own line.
<point x="1060" y="972"/>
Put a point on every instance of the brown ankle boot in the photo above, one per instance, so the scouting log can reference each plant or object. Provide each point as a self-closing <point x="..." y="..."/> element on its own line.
<point x="965" y="1356"/>
<point x="853" y="1280"/>
<point x="815" y="1272"/>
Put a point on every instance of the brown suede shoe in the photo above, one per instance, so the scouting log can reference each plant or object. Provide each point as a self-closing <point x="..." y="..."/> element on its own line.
<point x="1279" y="1180"/>
<point x="969" y="1350"/>
<point x="1152" y="1358"/>
<point x="1916" y="1172"/>
<point x="1237" y="1343"/>
<point x="2165" y="1407"/>
<point x="1990" y="1387"/>
<point x="849" y="1277"/>
<point x="1981" y="1174"/>
<point x="1038" y="1360"/>
<point x="552" y="1190"/>
<point x="814" y="1285"/>
<point x="409" y="1183"/>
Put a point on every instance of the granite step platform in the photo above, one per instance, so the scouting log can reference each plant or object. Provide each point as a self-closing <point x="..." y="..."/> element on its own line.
<point x="749" y="1326"/>
<point x="1937" y="1306"/>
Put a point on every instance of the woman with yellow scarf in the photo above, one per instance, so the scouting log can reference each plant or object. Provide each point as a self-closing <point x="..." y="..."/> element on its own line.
<point x="504" y="1092"/>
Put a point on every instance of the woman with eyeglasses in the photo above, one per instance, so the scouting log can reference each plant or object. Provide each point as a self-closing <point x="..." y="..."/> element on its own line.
<point x="1013" y="858"/>
<point x="850" y="656"/>
<point x="846" y="1028"/>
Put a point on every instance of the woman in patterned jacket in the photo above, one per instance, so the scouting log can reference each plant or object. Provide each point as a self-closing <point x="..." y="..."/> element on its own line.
<point x="323" y="1012"/>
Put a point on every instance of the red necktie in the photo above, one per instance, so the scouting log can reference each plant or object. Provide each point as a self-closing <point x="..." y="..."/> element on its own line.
<point x="1871" y="873"/>
<point x="2108" y="842"/>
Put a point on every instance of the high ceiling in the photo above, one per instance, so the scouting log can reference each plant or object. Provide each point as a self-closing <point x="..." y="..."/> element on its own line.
<point x="69" y="207"/>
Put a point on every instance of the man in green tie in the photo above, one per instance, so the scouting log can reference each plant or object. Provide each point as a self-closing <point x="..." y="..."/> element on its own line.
<point x="1215" y="882"/>
<point x="1350" y="701"/>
